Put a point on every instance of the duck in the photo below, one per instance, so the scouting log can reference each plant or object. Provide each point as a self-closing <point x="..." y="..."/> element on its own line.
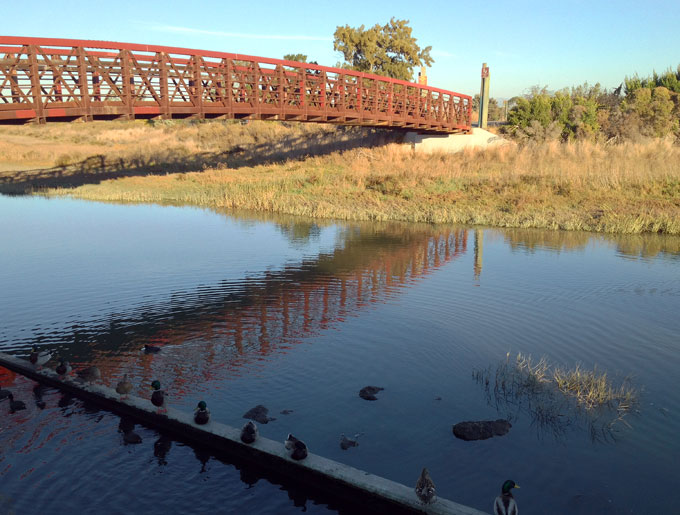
<point x="151" y="349"/>
<point x="249" y="432"/>
<point x="158" y="396"/>
<point x="505" y="503"/>
<point x="425" y="489"/>
<point x="39" y="358"/>
<point x="296" y="446"/>
<point x="124" y="387"/>
<point x="201" y="413"/>
<point x="63" y="368"/>
<point x="15" y="405"/>
<point x="89" y="374"/>
<point x="4" y="394"/>
<point x="346" y="443"/>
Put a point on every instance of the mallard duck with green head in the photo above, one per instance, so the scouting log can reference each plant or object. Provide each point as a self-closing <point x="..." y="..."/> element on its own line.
<point x="39" y="358"/>
<point x="158" y="397"/>
<point x="505" y="503"/>
<point x="201" y="413"/>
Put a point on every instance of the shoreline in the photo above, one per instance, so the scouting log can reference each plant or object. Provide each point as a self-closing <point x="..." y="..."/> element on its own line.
<point x="327" y="173"/>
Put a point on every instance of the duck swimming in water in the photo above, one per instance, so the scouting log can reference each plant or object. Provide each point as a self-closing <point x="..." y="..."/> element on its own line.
<point x="15" y="405"/>
<point x="201" y="413"/>
<point x="151" y="349"/>
<point x="505" y="503"/>
<point x="124" y="387"/>
<point x="425" y="488"/>
<point x="158" y="397"/>
<point x="249" y="432"/>
<point x="39" y="358"/>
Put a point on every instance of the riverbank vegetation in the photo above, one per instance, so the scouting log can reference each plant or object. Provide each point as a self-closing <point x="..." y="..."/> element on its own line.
<point x="639" y="108"/>
<point x="328" y="172"/>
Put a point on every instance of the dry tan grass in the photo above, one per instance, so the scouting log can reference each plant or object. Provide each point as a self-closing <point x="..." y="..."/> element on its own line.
<point x="293" y="169"/>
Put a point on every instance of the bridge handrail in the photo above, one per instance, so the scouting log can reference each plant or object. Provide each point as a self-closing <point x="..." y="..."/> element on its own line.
<point x="99" y="44"/>
<point x="320" y="93"/>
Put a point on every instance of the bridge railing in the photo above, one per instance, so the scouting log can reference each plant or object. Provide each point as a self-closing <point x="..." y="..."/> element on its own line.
<point x="58" y="79"/>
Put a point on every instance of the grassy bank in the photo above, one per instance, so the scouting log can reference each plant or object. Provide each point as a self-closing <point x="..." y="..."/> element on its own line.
<point x="628" y="188"/>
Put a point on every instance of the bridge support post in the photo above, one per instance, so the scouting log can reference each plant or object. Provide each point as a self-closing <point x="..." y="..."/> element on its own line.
<point x="165" y="88"/>
<point x="35" y="84"/>
<point x="83" y="85"/>
<point x="484" y="98"/>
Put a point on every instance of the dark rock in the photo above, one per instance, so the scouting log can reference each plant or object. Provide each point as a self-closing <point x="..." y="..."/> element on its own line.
<point x="286" y="412"/>
<point x="481" y="430"/>
<point x="259" y="414"/>
<point x="368" y="392"/>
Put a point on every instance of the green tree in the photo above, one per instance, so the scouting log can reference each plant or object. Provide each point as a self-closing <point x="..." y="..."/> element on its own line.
<point x="302" y="58"/>
<point x="388" y="50"/>
<point x="654" y="108"/>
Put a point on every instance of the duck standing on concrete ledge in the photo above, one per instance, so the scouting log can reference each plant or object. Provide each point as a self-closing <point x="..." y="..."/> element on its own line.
<point x="505" y="503"/>
<point x="249" y="432"/>
<point x="297" y="446"/>
<point x="39" y="358"/>
<point x="124" y="387"/>
<point x="201" y="413"/>
<point x="89" y="374"/>
<point x="158" y="397"/>
<point x="425" y="487"/>
<point x="63" y="368"/>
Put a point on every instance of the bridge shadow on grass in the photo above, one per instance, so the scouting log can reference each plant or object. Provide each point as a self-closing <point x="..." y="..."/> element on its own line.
<point x="97" y="168"/>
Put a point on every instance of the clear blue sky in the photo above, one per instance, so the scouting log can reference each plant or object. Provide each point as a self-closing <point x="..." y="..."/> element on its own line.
<point x="525" y="42"/>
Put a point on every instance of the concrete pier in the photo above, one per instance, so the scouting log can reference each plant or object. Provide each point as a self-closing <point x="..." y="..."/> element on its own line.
<point x="373" y="493"/>
<point x="452" y="143"/>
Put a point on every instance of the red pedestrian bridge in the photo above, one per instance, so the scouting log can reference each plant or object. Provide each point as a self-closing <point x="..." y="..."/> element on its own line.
<point x="45" y="80"/>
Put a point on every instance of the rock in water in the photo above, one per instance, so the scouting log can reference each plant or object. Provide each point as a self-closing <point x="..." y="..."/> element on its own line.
<point x="368" y="392"/>
<point x="259" y="414"/>
<point x="481" y="430"/>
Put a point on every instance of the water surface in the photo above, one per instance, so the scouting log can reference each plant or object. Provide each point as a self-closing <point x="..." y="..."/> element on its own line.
<point x="299" y="315"/>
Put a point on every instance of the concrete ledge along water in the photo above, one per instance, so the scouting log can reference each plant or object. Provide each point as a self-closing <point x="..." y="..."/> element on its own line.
<point x="380" y="494"/>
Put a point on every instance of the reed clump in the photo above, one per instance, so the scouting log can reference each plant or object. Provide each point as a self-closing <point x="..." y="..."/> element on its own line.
<point x="355" y="173"/>
<point x="592" y="388"/>
<point x="557" y="398"/>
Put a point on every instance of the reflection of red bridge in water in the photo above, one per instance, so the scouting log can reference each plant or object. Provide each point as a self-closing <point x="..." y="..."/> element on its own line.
<point x="62" y="79"/>
<point x="279" y="310"/>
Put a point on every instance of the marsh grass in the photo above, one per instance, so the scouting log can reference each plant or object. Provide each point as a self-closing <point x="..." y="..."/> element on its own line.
<point x="557" y="399"/>
<point x="354" y="174"/>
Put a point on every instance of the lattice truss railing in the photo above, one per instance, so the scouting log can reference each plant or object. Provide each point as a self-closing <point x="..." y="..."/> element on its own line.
<point x="43" y="79"/>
